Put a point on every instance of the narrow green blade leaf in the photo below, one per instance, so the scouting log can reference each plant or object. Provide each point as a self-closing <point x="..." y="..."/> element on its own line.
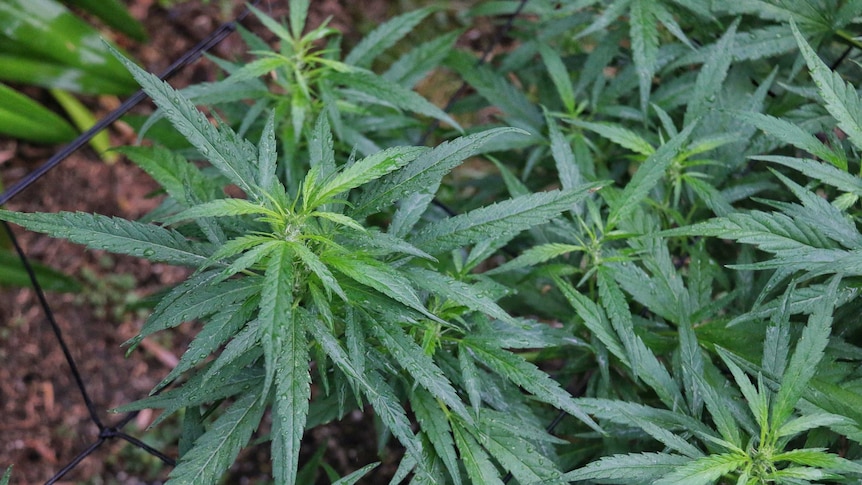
<point x="382" y="278"/>
<point x="711" y="76"/>
<point x="417" y="363"/>
<point x="116" y="235"/>
<point x="629" y="469"/>
<point x="292" y="393"/>
<point x="462" y="293"/>
<point x="435" y="425"/>
<point x="647" y="176"/>
<point x="621" y="136"/>
<point x="806" y="356"/>
<point x="364" y="171"/>
<point x="643" y="29"/>
<point x="222" y="147"/>
<point x="217" y="449"/>
<point x="503" y="219"/>
<point x="479" y="467"/>
<point x="425" y="173"/>
<point x="385" y="36"/>
<point x="529" y="377"/>
<point x="705" y="470"/>
<point x="841" y="98"/>
<point x="276" y="307"/>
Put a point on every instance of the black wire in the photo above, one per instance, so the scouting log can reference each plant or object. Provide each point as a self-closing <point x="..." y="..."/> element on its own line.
<point x="49" y="314"/>
<point x="190" y="56"/>
<point x="105" y="433"/>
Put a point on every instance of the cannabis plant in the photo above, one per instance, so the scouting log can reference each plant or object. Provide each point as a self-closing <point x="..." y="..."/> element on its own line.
<point x="702" y="304"/>
<point x="290" y="281"/>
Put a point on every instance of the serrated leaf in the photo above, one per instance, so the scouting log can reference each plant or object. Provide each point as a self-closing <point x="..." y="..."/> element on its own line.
<point x="522" y="458"/>
<point x="471" y="378"/>
<point x="793" y="135"/>
<point x="629" y="469"/>
<point x="803" y="363"/>
<point x="529" y="377"/>
<point x="435" y="425"/>
<point x="385" y="36"/>
<point x="810" y="421"/>
<point x="170" y="170"/>
<point x="354" y="477"/>
<point x="221" y="147"/>
<point x="417" y="363"/>
<point x="379" y="394"/>
<point x="502" y="219"/>
<point x="276" y="307"/>
<point x="535" y="255"/>
<point x="457" y="291"/>
<point x="479" y="467"/>
<point x="199" y="299"/>
<point x="424" y="174"/>
<point x="382" y="278"/>
<point x="116" y="235"/>
<point x="364" y="171"/>
<point x="292" y="393"/>
<point x="389" y="93"/>
<point x="298" y="14"/>
<point x="621" y="136"/>
<point x="647" y="176"/>
<point x="711" y="76"/>
<point x="267" y="155"/>
<point x="217" y="449"/>
<point x="221" y="208"/>
<point x="825" y="173"/>
<point x="644" y="36"/>
<point x="841" y="98"/>
<point x="559" y="75"/>
<point x="410" y="68"/>
<point x="704" y="470"/>
<point x="564" y="157"/>
<point x="218" y="329"/>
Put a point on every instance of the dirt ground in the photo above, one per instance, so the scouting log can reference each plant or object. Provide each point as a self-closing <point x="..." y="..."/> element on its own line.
<point x="44" y="422"/>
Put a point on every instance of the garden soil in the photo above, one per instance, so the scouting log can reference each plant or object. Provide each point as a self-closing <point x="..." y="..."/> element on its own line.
<point x="45" y="422"/>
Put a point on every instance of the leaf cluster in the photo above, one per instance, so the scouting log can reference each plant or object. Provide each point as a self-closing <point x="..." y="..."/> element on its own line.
<point x="663" y="245"/>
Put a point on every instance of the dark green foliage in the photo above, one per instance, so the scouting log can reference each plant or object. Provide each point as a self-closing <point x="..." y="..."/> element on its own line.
<point x="670" y="234"/>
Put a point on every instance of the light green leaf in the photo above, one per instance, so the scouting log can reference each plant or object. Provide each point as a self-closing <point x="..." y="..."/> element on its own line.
<point x="410" y="68"/>
<point x="267" y="155"/>
<point x="354" y="477"/>
<point x="412" y="358"/>
<point x="841" y="98"/>
<point x="435" y="425"/>
<point x="535" y="255"/>
<point x="619" y="135"/>
<point x="793" y="135"/>
<point x="276" y="307"/>
<point x="629" y="469"/>
<point x="364" y="171"/>
<point x="502" y="219"/>
<point x="705" y="470"/>
<point x="382" y="278"/>
<point x="711" y="76"/>
<point x="298" y="14"/>
<point x="385" y="36"/>
<point x="458" y="291"/>
<point x="389" y="93"/>
<point x="647" y="176"/>
<point x="292" y="393"/>
<point x="221" y="208"/>
<point x="479" y="467"/>
<point x="217" y="449"/>
<point x="807" y="354"/>
<point x="424" y="174"/>
<point x="116" y="235"/>
<point x="220" y="146"/>
<point x="514" y="368"/>
<point x="643" y="29"/>
<point x="827" y="174"/>
<point x="559" y="75"/>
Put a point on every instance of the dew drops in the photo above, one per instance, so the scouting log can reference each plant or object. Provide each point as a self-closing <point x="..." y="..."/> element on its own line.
<point x="149" y="252"/>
